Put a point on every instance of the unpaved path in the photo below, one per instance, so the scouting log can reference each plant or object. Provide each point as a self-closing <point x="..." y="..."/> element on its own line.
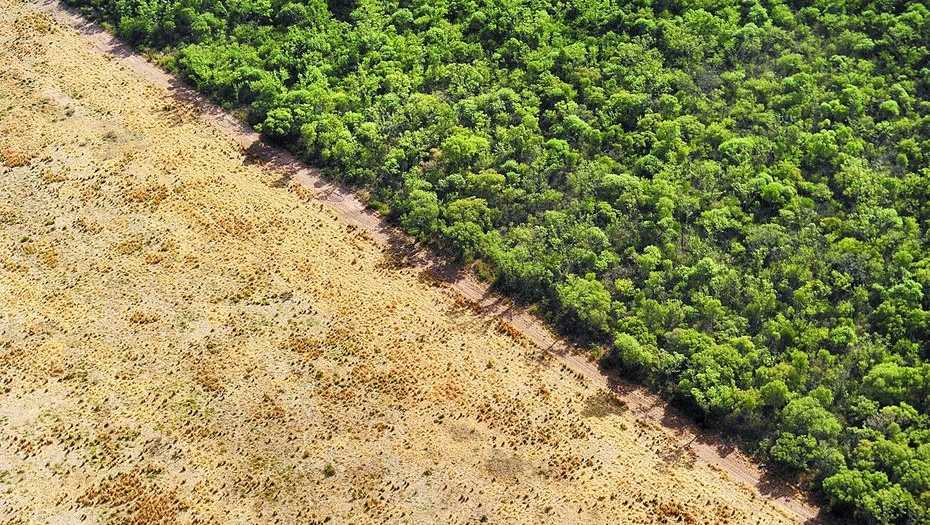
<point x="680" y="439"/>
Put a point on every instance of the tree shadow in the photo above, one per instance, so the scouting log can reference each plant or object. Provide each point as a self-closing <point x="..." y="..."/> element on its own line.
<point x="603" y="404"/>
<point x="777" y="484"/>
<point x="401" y="251"/>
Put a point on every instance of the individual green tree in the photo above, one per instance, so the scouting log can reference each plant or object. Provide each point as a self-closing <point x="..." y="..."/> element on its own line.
<point x="587" y="301"/>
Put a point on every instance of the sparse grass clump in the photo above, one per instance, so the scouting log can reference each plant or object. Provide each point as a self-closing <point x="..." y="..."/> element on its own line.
<point x="329" y="470"/>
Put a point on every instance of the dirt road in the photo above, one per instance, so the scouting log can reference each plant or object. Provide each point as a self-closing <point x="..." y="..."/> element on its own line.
<point x="240" y="236"/>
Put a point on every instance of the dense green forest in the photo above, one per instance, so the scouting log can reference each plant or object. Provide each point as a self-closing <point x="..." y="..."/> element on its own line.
<point x="731" y="196"/>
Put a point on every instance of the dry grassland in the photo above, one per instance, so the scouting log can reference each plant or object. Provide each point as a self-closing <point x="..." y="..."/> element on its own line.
<point x="184" y="340"/>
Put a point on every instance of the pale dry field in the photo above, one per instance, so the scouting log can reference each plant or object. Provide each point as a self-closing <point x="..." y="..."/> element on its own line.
<point x="183" y="339"/>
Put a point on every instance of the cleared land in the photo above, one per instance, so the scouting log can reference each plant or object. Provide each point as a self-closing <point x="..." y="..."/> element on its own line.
<point x="188" y="335"/>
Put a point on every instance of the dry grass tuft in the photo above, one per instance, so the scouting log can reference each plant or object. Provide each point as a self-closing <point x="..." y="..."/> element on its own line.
<point x="14" y="158"/>
<point x="140" y="317"/>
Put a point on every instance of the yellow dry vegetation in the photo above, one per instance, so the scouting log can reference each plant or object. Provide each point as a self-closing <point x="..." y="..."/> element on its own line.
<point x="184" y="340"/>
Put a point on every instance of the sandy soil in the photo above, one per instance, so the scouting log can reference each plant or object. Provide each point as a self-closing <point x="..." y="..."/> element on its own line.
<point x="194" y="331"/>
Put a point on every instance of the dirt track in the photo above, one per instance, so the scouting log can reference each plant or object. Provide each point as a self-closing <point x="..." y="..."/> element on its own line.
<point x="187" y="333"/>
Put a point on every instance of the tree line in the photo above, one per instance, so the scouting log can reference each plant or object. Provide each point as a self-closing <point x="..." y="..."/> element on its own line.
<point x="731" y="197"/>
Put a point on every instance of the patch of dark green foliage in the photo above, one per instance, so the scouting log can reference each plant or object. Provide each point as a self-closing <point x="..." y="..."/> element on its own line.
<point x="732" y="194"/>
